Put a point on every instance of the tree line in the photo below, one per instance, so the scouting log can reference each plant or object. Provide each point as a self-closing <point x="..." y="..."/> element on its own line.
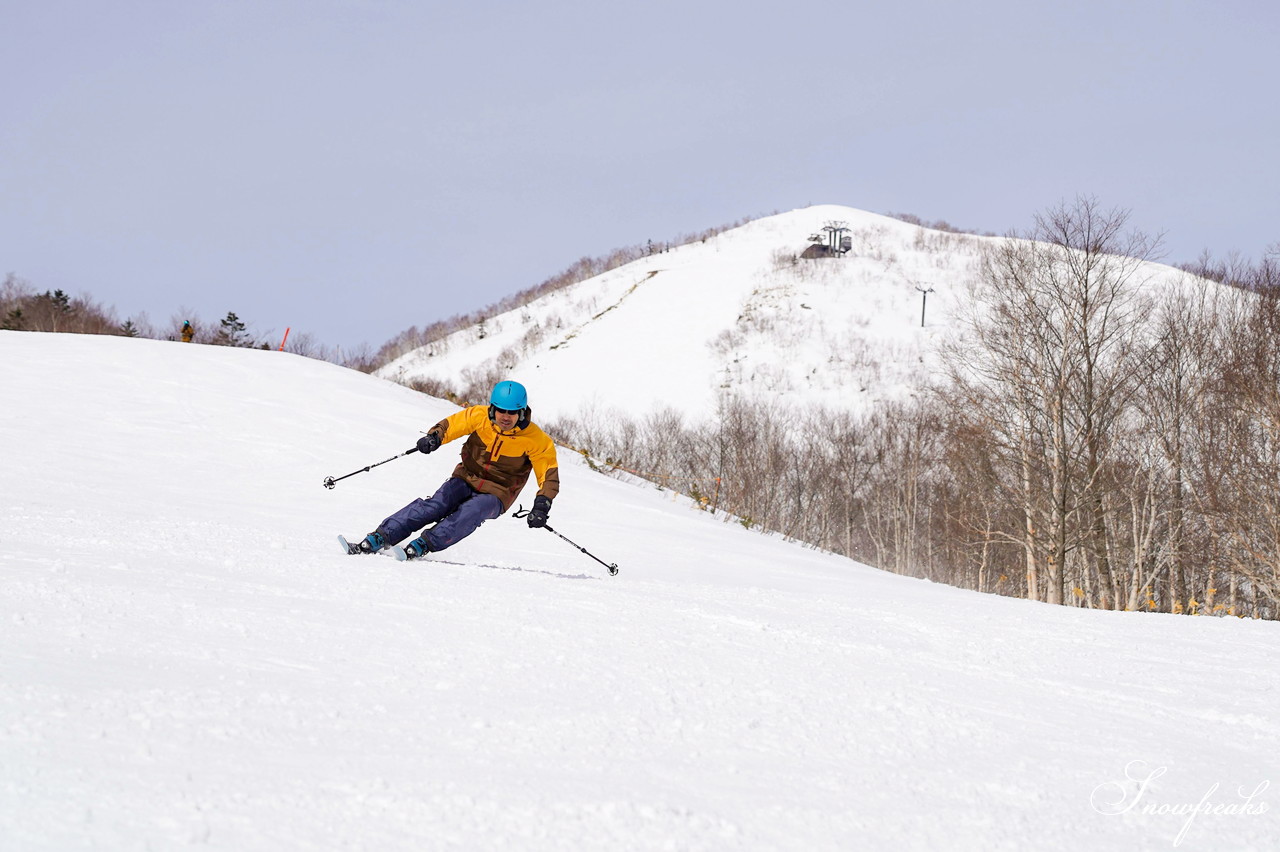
<point x="24" y="308"/>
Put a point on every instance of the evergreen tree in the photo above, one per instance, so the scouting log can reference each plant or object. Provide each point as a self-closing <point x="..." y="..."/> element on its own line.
<point x="233" y="331"/>
<point x="58" y="300"/>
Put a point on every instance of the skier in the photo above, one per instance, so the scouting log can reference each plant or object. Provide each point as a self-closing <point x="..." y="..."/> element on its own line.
<point x="188" y="333"/>
<point x="502" y="447"/>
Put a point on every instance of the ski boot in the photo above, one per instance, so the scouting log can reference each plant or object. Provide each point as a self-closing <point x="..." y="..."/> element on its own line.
<point x="371" y="543"/>
<point x="415" y="549"/>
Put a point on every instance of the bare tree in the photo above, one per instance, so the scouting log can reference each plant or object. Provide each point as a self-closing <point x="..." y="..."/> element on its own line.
<point x="1186" y="352"/>
<point x="1244" y="502"/>
<point x="1049" y="374"/>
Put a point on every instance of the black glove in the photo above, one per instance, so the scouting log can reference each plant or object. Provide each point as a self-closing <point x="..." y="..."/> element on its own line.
<point x="429" y="443"/>
<point x="537" y="516"/>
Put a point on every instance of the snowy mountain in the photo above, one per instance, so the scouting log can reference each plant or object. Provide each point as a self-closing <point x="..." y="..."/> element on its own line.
<point x="739" y="313"/>
<point x="742" y="313"/>
<point x="187" y="660"/>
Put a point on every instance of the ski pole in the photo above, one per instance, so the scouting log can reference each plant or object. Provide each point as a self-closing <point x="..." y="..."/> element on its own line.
<point x="613" y="569"/>
<point x="329" y="481"/>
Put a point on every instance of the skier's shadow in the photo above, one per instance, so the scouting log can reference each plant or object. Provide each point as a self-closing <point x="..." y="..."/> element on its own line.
<point x="555" y="574"/>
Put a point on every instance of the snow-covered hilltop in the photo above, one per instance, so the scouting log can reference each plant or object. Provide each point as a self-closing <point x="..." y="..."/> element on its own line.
<point x="187" y="660"/>
<point x="737" y="313"/>
<point x="741" y="313"/>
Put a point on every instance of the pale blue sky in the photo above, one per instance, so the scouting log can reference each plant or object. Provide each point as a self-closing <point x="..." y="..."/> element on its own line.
<point x="354" y="167"/>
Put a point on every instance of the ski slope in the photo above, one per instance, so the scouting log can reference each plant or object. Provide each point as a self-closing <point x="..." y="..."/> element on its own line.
<point x="731" y="315"/>
<point x="186" y="659"/>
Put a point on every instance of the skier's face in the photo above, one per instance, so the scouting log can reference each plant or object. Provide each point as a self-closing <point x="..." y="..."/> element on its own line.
<point x="505" y="420"/>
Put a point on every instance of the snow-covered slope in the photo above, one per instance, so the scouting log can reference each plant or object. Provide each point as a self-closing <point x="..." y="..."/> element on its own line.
<point x="187" y="660"/>
<point x="734" y="315"/>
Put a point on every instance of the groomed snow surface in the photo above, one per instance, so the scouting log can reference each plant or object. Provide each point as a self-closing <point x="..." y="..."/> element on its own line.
<point x="186" y="659"/>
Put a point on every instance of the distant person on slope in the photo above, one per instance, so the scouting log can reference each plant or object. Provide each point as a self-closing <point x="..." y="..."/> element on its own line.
<point x="187" y="331"/>
<point x="502" y="447"/>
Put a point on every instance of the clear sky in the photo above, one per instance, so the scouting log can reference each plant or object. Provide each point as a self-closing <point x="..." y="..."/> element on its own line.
<point x="351" y="168"/>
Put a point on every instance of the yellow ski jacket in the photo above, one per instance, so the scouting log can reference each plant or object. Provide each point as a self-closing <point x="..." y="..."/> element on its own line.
<point x="499" y="463"/>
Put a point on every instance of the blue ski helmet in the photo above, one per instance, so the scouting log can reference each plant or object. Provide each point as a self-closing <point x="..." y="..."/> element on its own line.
<point x="509" y="396"/>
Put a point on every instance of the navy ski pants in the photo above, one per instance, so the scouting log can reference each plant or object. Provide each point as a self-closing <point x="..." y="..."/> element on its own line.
<point x="456" y="509"/>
